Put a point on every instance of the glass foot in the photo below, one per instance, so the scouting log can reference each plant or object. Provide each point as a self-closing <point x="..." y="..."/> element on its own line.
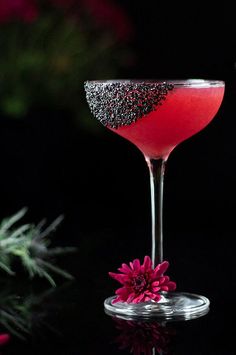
<point x="172" y="306"/>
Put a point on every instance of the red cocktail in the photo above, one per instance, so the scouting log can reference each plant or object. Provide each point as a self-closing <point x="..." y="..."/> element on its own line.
<point x="186" y="110"/>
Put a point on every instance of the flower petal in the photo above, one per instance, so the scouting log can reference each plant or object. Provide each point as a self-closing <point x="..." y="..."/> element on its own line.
<point x="171" y="286"/>
<point x="117" y="299"/>
<point x="164" y="280"/>
<point x="147" y="263"/>
<point x="130" y="298"/>
<point x="157" y="297"/>
<point x="160" y="269"/>
<point x="155" y="283"/>
<point x="125" y="269"/>
<point x="136" y="264"/>
<point x="121" y="291"/>
<point x="138" y="299"/>
<point x="150" y="296"/>
<point x="119" y="277"/>
<point x="156" y="289"/>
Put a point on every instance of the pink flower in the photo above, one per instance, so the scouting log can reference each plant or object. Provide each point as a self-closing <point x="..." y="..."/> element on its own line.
<point x="4" y="338"/>
<point x="142" y="283"/>
<point x="109" y="14"/>
<point x="64" y="3"/>
<point x="106" y="14"/>
<point x="11" y="10"/>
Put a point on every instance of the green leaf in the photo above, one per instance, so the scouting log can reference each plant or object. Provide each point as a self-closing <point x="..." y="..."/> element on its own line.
<point x="30" y="244"/>
<point x="56" y="269"/>
<point x="19" y="231"/>
<point x="52" y="227"/>
<point x="14" y="106"/>
<point x="60" y="250"/>
<point x="6" y="268"/>
<point x="8" y="222"/>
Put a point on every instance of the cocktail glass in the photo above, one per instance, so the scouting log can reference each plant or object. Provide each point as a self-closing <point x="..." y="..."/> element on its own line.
<point x="156" y="115"/>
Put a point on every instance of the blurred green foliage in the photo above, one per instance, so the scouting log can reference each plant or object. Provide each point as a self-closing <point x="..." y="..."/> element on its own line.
<point x="30" y="244"/>
<point x="46" y="57"/>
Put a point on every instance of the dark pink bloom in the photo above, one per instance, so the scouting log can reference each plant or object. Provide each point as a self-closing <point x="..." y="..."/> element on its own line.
<point x="142" y="283"/>
<point x="4" y="338"/>
<point x="109" y="14"/>
<point x="64" y="3"/>
<point x="105" y="14"/>
<point x="24" y="10"/>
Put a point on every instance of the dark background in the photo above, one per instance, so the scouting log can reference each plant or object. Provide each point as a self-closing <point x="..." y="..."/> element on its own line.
<point x="100" y="183"/>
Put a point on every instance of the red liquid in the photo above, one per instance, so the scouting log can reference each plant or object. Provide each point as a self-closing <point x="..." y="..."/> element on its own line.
<point x="186" y="111"/>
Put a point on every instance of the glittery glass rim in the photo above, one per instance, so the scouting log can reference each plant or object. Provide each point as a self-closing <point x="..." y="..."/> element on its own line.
<point x="176" y="82"/>
<point x="122" y="102"/>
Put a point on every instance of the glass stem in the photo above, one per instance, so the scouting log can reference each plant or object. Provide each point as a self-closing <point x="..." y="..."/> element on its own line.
<point x="157" y="171"/>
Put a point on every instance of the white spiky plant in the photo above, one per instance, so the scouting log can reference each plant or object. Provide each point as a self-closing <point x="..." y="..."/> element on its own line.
<point x="30" y="244"/>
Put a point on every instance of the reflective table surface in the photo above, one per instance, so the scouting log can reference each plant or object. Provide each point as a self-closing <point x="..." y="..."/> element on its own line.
<point x="70" y="319"/>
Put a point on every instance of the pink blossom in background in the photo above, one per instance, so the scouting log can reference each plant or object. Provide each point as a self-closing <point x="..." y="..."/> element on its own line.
<point x="109" y="14"/>
<point x="4" y="338"/>
<point x="104" y="13"/>
<point x="11" y="10"/>
<point x="64" y="3"/>
<point x="142" y="283"/>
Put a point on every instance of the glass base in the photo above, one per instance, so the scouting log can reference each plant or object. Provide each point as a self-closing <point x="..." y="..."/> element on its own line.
<point x="172" y="306"/>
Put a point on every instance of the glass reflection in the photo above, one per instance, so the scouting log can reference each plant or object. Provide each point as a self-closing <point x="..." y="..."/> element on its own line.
<point x="143" y="337"/>
<point x="24" y="311"/>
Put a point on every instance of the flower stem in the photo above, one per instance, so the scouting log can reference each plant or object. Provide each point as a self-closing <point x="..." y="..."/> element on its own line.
<point x="156" y="171"/>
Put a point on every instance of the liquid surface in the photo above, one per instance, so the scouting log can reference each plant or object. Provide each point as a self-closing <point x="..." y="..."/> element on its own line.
<point x="185" y="111"/>
<point x="155" y="116"/>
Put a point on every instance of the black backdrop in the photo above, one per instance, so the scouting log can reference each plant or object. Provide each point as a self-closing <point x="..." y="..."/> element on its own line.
<point x="53" y="166"/>
<point x="101" y="184"/>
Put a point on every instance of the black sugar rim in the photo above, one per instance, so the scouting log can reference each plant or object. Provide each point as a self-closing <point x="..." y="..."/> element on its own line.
<point x="121" y="103"/>
<point x="176" y="82"/>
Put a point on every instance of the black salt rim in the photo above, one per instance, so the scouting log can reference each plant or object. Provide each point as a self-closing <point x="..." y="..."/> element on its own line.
<point x="122" y="102"/>
<point x="195" y="83"/>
